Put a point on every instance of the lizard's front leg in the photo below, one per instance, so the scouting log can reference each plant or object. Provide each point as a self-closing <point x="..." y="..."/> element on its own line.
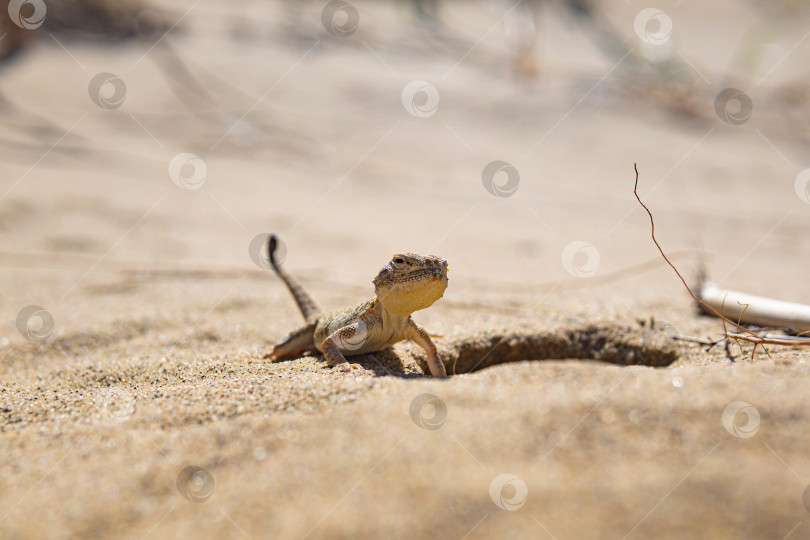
<point x="419" y="335"/>
<point x="331" y="347"/>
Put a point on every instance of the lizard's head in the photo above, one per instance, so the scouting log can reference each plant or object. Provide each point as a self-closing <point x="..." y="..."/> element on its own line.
<point x="411" y="282"/>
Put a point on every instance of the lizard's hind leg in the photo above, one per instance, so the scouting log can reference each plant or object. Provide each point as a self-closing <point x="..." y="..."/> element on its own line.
<point x="295" y="344"/>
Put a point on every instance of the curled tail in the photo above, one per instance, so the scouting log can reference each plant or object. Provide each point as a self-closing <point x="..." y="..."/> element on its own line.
<point x="305" y="302"/>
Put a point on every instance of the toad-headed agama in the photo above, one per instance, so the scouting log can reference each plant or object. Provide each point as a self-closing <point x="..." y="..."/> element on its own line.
<point x="406" y="284"/>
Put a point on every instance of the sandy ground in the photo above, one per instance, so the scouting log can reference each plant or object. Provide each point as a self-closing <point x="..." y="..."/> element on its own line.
<point x="149" y="411"/>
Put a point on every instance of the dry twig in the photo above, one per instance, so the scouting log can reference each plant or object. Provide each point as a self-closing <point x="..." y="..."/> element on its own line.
<point x="742" y="334"/>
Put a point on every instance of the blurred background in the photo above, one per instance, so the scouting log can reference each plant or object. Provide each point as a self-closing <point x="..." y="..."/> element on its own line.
<point x="169" y="135"/>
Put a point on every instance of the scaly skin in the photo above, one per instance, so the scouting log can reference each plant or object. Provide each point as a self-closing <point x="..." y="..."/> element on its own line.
<point x="406" y="284"/>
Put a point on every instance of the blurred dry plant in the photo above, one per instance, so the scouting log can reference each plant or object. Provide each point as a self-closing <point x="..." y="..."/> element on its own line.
<point x="650" y="71"/>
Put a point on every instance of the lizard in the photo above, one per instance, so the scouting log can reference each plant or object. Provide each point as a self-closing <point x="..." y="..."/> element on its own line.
<point x="408" y="283"/>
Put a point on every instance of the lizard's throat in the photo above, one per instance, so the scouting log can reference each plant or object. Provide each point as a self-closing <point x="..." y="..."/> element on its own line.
<point x="406" y="298"/>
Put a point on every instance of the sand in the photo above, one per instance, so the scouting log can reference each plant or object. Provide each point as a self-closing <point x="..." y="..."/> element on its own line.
<point x="149" y="411"/>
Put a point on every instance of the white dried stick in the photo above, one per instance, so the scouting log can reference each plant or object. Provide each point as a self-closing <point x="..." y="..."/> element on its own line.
<point x="750" y="309"/>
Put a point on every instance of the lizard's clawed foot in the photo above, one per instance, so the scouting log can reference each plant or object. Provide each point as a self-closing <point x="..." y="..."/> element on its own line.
<point x="348" y="367"/>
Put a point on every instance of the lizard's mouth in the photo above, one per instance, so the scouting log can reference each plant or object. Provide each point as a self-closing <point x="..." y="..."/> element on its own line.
<point x="435" y="268"/>
<point x="418" y="289"/>
<point x="423" y="274"/>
